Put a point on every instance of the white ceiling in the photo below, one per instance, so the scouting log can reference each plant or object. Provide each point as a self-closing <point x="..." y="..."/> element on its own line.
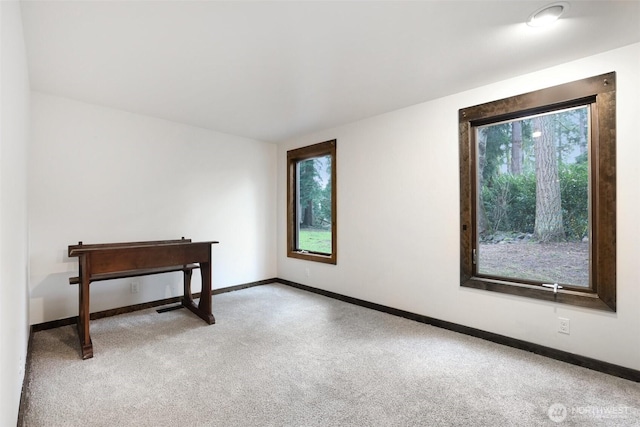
<point x="272" y="70"/>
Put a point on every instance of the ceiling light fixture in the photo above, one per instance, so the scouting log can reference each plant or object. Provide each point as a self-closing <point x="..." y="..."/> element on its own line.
<point x="547" y="15"/>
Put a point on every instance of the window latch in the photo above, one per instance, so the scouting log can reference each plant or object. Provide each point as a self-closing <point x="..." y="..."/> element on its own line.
<point x="475" y="258"/>
<point x="555" y="287"/>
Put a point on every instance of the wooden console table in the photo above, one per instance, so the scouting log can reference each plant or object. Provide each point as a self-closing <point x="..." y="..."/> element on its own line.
<point x="119" y="260"/>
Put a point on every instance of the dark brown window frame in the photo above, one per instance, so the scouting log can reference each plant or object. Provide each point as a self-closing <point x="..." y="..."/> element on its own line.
<point x="327" y="148"/>
<point x="599" y="93"/>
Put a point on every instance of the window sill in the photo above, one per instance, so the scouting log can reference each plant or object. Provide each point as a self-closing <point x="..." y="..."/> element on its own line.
<point x="563" y="296"/>
<point x="309" y="256"/>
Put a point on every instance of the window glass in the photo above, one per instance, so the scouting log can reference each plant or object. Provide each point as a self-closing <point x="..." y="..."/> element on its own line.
<point x="533" y="198"/>
<point x="314" y="204"/>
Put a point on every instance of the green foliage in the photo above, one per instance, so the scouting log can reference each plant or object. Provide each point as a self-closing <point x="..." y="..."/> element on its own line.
<point x="314" y="198"/>
<point x="309" y="186"/>
<point x="324" y="212"/>
<point x="510" y="201"/>
<point x="498" y="137"/>
<point x="574" y="190"/>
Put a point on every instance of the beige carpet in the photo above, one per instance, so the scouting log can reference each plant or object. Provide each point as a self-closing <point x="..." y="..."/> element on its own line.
<point x="279" y="356"/>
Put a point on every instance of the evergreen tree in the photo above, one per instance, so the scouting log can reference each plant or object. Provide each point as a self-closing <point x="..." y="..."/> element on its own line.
<point x="309" y="191"/>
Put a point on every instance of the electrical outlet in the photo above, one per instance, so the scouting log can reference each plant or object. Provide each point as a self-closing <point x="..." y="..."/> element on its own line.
<point x="564" y="325"/>
<point x="135" y="287"/>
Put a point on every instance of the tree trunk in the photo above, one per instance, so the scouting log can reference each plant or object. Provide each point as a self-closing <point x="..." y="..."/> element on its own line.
<point x="548" y="222"/>
<point x="516" y="148"/>
<point x="584" y="140"/>
<point x="307" y="218"/>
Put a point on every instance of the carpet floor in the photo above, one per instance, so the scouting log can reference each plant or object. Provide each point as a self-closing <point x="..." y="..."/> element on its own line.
<point x="279" y="356"/>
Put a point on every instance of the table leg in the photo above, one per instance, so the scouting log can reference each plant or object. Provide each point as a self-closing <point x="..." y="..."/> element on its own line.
<point x="203" y="309"/>
<point x="205" y="294"/>
<point x="188" y="298"/>
<point x="86" y="345"/>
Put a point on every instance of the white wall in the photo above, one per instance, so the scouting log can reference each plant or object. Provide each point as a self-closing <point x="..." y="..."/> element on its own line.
<point x="104" y="175"/>
<point x="14" y="126"/>
<point x="398" y="219"/>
